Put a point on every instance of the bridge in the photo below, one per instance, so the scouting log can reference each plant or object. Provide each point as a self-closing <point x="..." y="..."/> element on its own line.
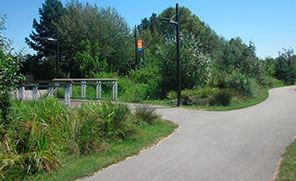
<point x="29" y="90"/>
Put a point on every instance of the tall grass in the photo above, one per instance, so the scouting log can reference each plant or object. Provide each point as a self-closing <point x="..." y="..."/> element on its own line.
<point x="40" y="134"/>
<point x="146" y="113"/>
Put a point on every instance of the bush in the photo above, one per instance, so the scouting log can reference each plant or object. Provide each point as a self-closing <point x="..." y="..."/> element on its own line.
<point x="236" y="81"/>
<point x="146" y="113"/>
<point x="220" y="98"/>
<point x="148" y="75"/>
<point x="114" y="121"/>
<point x="42" y="133"/>
<point x="172" y="95"/>
<point x="132" y="92"/>
<point x="239" y="82"/>
<point x="198" y="96"/>
<point x="87" y="133"/>
<point x="31" y="142"/>
<point x="5" y="105"/>
<point x="189" y="97"/>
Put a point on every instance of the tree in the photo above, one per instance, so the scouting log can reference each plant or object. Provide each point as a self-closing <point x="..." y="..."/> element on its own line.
<point x="90" y="62"/>
<point x="103" y="28"/>
<point x="45" y="59"/>
<point x="9" y="76"/>
<point x="198" y="46"/>
<point x="285" y="68"/>
<point x="50" y="14"/>
<point x="196" y="66"/>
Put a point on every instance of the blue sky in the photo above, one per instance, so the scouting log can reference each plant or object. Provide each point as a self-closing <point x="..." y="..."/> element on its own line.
<point x="269" y="23"/>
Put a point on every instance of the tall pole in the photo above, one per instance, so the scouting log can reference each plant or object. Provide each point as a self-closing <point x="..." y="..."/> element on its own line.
<point x="136" y="47"/>
<point x="58" y="56"/>
<point x="178" y="56"/>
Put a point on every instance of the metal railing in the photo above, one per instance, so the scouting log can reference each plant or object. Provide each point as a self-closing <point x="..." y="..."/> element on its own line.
<point x="53" y="85"/>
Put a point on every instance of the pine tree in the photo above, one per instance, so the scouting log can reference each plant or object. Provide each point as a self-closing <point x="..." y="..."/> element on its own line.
<point x="50" y="13"/>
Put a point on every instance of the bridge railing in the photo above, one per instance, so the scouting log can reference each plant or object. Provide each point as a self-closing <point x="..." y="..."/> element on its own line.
<point x="53" y="85"/>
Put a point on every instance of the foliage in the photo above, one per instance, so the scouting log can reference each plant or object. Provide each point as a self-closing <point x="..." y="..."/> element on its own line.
<point x="147" y="135"/>
<point x="41" y="134"/>
<point x="89" y="59"/>
<point x="287" y="168"/>
<point x="87" y="132"/>
<point x="146" y="113"/>
<point x="50" y="13"/>
<point x="172" y="95"/>
<point x="97" y="42"/>
<point x="198" y="96"/>
<point x="9" y="75"/>
<point x="285" y="68"/>
<point x="148" y="75"/>
<point x="235" y="80"/>
<point x="220" y="98"/>
<point x="33" y="137"/>
<point x="114" y="120"/>
<point x="94" y="35"/>
<point x="132" y="92"/>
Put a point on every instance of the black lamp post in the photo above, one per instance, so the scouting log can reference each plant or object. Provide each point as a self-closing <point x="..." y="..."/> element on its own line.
<point x="55" y="40"/>
<point x="177" y="25"/>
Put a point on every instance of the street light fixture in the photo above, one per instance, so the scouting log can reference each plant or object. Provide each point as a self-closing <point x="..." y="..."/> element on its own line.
<point x="176" y="23"/>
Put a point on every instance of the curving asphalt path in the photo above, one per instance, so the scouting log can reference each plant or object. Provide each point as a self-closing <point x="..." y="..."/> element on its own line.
<point x="234" y="145"/>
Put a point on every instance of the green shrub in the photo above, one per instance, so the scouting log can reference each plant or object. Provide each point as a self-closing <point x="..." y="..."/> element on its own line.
<point x="147" y="75"/>
<point x="198" y="96"/>
<point x="146" y="113"/>
<point x="172" y="95"/>
<point x="189" y="97"/>
<point x="132" y="92"/>
<point x="32" y="140"/>
<point x="42" y="133"/>
<point x="220" y="98"/>
<point x="239" y="82"/>
<point x="5" y="107"/>
<point x="87" y="133"/>
<point x="114" y="121"/>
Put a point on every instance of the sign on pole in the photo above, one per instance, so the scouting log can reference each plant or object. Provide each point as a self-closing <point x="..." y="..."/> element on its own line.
<point x="140" y="44"/>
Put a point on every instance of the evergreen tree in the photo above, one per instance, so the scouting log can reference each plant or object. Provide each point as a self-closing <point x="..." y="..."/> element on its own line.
<point x="50" y="13"/>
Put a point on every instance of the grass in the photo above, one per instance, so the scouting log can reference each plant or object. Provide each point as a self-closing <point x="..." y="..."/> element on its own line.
<point x="45" y="140"/>
<point x="260" y="95"/>
<point x="288" y="165"/>
<point x="78" y="166"/>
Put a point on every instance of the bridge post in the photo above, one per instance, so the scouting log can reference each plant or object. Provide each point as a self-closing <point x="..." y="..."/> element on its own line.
<point x="50" y="89"/>
<point x="83" y="89"/>
<point x="98" y="90"/>
<point x="114" y="90"/>
<point x="21" y="91"/>
<point x="34" y="91"/>
<point x="67" y="94"/>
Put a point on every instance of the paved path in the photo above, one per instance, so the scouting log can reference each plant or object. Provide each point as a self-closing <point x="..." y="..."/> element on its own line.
<point x="216" y="146"/>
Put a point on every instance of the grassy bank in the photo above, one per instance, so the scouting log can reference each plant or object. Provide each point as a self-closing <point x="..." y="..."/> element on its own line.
<point x="260" y="94"/>
<point x="288" y="165"/>
<point x="77" y="166"/>
<point x="45" y="140"/>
